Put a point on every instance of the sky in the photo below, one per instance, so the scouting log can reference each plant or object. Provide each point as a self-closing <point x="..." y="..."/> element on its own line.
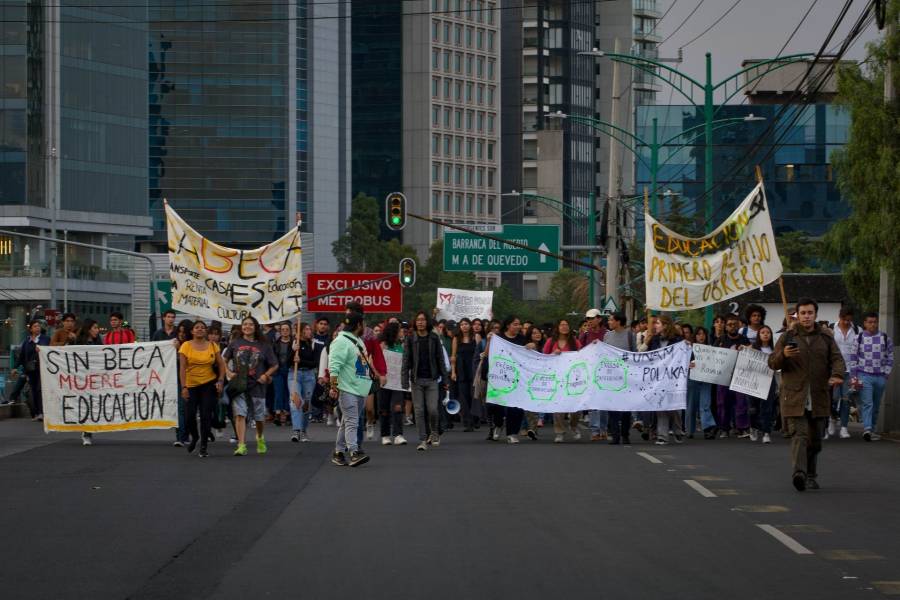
<point x="754" y="29"/>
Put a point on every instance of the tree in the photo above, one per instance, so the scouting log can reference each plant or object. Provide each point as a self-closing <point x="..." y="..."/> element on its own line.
<point x="798" y="253"/>
<point x="360" y="249"/>
<point x="568" y="293"/>
<point x="868" y="174"/>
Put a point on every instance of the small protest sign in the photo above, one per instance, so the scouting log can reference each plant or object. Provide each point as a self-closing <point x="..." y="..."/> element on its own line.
<point x="713" y="365"/>
<point x="752" y="375"/>
<point x="470" y="304"/>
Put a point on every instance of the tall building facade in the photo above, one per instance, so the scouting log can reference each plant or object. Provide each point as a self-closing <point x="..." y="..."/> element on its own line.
<point x="546" y="157"/>
<point x="451" y="107"/>
<point x="250" y="120"/>
<point x="73" y="154"/>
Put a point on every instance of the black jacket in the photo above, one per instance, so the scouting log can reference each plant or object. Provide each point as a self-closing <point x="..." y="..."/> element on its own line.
<point x="411" y="358"/>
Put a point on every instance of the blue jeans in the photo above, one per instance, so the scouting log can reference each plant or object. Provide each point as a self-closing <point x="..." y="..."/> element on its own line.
<point x="599" y="421"/>
<point x="280" y="383"/>
<point x="699" y="398"/>
<point x="870" y="398"/>
<point x="306" y="383"/>
<point x="347" y="433"/>
<point x="841" y="401"/>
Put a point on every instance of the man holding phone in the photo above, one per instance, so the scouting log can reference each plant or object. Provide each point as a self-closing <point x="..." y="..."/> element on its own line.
<point x="811" y="364"/>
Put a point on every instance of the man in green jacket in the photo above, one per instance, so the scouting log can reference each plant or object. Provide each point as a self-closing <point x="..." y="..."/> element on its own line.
<point x="811" y="364"/>
<point x="348" y="365"/>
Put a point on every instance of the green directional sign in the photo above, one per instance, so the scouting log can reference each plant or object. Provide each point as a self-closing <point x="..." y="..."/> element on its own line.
<point x="162" y="290"/>
<point x="467" y="252"/>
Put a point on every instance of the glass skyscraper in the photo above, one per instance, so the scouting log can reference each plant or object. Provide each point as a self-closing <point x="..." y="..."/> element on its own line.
<point x="800" y="182"/>
<point x="249" y="107"/>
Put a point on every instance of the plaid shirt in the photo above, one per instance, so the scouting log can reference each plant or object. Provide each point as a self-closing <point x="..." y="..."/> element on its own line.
<point x="872" y="355"/>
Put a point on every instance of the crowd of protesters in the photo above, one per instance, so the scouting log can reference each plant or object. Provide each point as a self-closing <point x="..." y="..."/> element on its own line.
<point x="292" y="375"/>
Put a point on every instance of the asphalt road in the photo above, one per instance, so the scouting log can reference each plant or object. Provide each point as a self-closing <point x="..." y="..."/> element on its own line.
<point x="133" y="517"/>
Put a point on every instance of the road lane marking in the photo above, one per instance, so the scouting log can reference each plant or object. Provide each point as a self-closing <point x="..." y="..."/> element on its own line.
<point x="698" y="487"/>
<point x="761" y="508"/>
<point x="851" y="555"/>
<point x="803" y="529"/>
<point x="726" y="491"/>
<point x="650" y="458"/>
<point x="785" y="539"/>
<point x="710" y="478"/>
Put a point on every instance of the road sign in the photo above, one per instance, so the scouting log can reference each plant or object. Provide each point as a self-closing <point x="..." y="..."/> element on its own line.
<point x="384" y="296"/>
<point x="467" y="252"/>
<point x="609" y="306"/>
<point x="163" y="293"/>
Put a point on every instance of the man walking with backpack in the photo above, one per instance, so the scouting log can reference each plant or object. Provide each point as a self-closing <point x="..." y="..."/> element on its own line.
<point x="348" y="364"/>
<point x="871" y="364"/>
<point x="845" y="336"/>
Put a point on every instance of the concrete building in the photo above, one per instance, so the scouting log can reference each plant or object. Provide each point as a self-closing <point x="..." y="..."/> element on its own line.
<point x="451" y="127"/>
<point x="547" y="162"/>
<point x="73" y="155"/>
<point x="250" y="120"/>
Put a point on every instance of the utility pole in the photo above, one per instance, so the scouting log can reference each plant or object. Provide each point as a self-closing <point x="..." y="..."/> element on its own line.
<point x="887" y="294"/>
<point x="612" y="216"/>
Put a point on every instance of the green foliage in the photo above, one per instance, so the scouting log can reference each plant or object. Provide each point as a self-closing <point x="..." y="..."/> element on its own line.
<point x="798" y="253"/>
<point x="568" y="293"/>
<point x="360" y="250"/>
<point x="868" y="174"/>
<point x="431" y="276"/>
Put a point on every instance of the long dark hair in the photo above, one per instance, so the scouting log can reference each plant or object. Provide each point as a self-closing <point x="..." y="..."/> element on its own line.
<point x="428" y="323"/>
<point x="757" y="344"/>
<point x="185" y="326"/>
<point x="507" y="322"/>
<point x="257" y="330"/>
<point x="459" y="334"/>
<point x="390" y="333"/>
<point x="705" y="335"/>
<point x="84" y="333"/>
<point x="570" y="337"/>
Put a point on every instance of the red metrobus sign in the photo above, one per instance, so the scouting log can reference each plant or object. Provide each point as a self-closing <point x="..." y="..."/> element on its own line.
<point x="385" y="296"/>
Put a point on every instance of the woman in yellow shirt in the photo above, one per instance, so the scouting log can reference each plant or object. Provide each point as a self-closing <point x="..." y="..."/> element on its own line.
<point x="202" y="371"/>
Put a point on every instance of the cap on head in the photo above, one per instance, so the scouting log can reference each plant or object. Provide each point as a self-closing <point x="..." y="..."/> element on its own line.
<point x="592" y="313"/>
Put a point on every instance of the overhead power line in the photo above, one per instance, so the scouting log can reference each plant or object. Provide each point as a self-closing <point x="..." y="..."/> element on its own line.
<point x="716" y="22"/>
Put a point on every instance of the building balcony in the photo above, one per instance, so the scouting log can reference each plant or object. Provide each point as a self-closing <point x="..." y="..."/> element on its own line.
<point x="534" y="51"/>
<point x="646" y="8"/>
<point x="534" y="79"/>
<point x="647" y="36"/>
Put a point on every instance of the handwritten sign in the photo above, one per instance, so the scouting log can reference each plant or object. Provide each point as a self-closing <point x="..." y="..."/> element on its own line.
<point x="227" y="285"/>
<point x="713" y="365"/>
<point x="739" y="256"/>
<point x="394" y="362"/>
<point x="470" y="304"/>
<point x="110" y="388"/>
<point x="598" y="377"/>
<point x="752" y="375"/>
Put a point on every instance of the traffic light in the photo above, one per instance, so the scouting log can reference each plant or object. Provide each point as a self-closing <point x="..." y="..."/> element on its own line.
<point x="395" y="211"/>
<point x="407" y="272"/>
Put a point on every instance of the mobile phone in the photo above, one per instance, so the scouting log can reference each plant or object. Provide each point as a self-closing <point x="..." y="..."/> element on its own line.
<point x="791" y="345"/>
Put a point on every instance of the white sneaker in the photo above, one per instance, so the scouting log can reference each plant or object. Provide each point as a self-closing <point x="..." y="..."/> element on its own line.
<point x="576" y="435"/>
<point x="399" y="440"/>
<point x="304" y="437"/>
<point x="385" y="440"/>
<point x="370" y="431"/>
<point x="496" y="434"/>
<point x="753" y="435"/>
<point x="845" y="435"/>
<point x="330" y="422"/>
<point x="767" y="439"/>
<point x="435" y="440"/>
<point x="511" y="439"/>
<point x="86" y="439"/>
<point x="827" y="435"/>
<point x="422" y="447"/>
<point x="831" y="427"/>
<point x="558" y="439"/>
<point x="875" y="437"/>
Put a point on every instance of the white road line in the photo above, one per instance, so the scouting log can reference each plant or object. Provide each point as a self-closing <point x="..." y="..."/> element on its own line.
<point x="785" y="539"/>
<point x="650" y="457"/>
<point x="698" y="487"/>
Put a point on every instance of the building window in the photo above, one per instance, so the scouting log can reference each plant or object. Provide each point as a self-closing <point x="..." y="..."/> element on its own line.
<point x="459" y="118"/>
<point x="448" y="143"/>
<point x="480" y="95"/>
<point x="447" y="173"/>
<point x="530" y="289"/>
<point x="470" y="118"/>
<point x="490" y="96"/>
<point x="468" y="37"/>
<point x="470" y="198"/>
<point x="491" y="40"/>
<point x="447" y="196"/>
<point x="458" y="147"/>
<point x="447" y="33"/>
<point x="490" y="151"/>
<point x="480" y="204"/>
<point x="436" y="145"/>
<point x="479" y="177"/>
<point x="457" y="175"/>
<point x="490" y="174"/>
<point x="479" y="150"/>
<point x="469" y="61"/>
<point x="435" y="172"/>
<point x="479" y="11"/>
<point x="480" y="39"/>
<point x="447" y="118"/>
<point x="480" y="70"/>
<point x="447" y="61"/>
<point x="435" y="200"/>
<point x="435" y="115"/>
<point x="435" y="31"/>
<point x="435" y="59"/>
<point x="490" y="70"/>
<point x="457" y="35"/>
<point x="490" y="123"/>
<point x="480" y="122"/>
<point x="458" y="202"/>
<point x="459" y="87"/>
<point x="469" y="93"/>
<point x="491" y="206"/>
<point x="469" y="149"/>
<point x="457" y="62"/>
<point x="447" y="82"/>
<point x="470" y="175"/>
<point x="435" y="88"/>
<point x="490" y="12"/>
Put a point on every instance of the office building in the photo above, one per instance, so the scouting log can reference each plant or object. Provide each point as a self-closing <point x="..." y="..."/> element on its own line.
<point x="450" y="122"/>
<point x="548" y="162"/>
<point x="73" y="155"/>
<point x="250" y="114"/>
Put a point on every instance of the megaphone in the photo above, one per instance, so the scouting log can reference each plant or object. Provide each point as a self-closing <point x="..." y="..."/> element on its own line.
<point x="451" y="405"/>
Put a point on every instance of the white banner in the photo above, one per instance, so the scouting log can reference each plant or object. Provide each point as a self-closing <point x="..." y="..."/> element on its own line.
<point x="713" y="365"/>
<point x="740" y="255"/>
<point x="110" y="388"/>
<point x="469" y="304"/>
<point x="752" y="375"/>
<point x="215" y="282"/>
<point x="598" y="377"/>
<point x="394" y="362"/>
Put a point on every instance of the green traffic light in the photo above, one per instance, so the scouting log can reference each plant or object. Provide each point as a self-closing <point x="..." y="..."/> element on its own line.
<point x="395" y="220"/>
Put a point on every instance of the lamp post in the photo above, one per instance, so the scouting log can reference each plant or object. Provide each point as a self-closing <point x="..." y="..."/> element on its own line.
<point x="688" y="87"/>
<point x="588" y="219"/>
